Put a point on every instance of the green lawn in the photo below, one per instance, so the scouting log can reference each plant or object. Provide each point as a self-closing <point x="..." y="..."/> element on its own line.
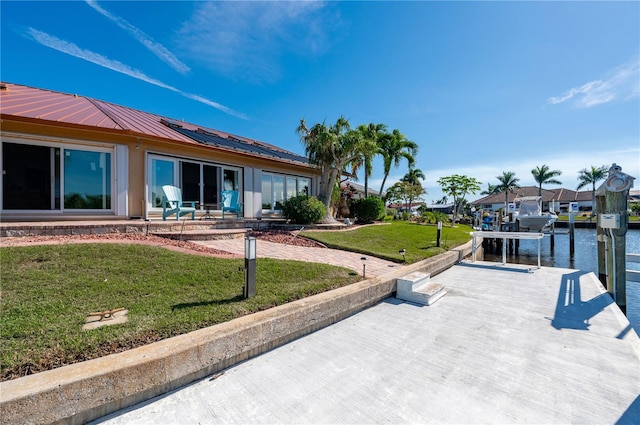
<point x="385" y="240"/>
<point x="47" y="291"/>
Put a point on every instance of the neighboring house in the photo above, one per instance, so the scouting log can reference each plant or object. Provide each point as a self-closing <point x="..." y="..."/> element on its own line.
<point x="356" y="190"/>
<point x="413" y="209"/>
<point x="443" y="208"/>
<point x="66" y="156"/>
<point x="555" y="199"/>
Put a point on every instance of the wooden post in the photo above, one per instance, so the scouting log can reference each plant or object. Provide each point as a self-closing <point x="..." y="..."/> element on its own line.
<point x="615" y="222"/>
<point x="572" y="235"/>
<point x="616" y="202"/>
<point x="602" y="265"/>
<point x="552" y="237"/>
<point x="517" y="228"/>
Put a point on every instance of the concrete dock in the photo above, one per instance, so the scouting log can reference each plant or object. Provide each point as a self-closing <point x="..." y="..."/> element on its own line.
<point x="508" y="344"/>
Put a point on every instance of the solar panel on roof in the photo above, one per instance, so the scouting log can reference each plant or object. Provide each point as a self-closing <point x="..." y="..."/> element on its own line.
<point x="212" y="139"/>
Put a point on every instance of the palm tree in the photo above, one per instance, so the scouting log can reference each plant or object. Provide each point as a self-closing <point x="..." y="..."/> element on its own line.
<point x="332" y="148"/>
<point x="372" y="135"/>
<point x="413" y="176"/>
<point x="393" y="147"/>
<point x="591" y="176"/>
<point x="508" y="182"/>
<point x="491" y="189"/>
<point x="544" y="175"/>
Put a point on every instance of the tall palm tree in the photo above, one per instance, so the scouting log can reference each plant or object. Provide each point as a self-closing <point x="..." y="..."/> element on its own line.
<point x="543" y="175"/>
<point x="591" y="176"/>
<point x="394" y="147"/>
<point x="332" y="148"/>
<point x="372" y="135"/>
<point x="508" y="182"/>
<point x="413" y="176"/>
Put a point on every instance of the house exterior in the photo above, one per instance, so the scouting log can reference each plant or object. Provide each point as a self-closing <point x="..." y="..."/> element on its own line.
<point x="70" y="157"/>
<point x="556" y="199"/>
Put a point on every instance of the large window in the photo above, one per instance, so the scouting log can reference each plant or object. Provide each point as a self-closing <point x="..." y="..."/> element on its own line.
<point x="87" y="177"/>
<point x="277" y="188"/>
<point x="200" y="182"/>
<point x="35" y="176"/>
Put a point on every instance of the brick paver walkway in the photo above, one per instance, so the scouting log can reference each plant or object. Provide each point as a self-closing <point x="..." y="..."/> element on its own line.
<point x="374" y="266"/>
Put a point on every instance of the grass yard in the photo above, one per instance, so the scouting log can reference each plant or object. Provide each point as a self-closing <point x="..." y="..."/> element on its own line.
<point x="48" y="290"/>
<point x="385" y="240"/>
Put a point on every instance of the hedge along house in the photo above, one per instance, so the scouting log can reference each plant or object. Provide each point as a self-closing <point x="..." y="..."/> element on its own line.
<point x="67" y="157"/>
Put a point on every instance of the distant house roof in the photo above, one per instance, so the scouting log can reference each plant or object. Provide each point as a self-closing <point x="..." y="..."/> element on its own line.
<point x="557" y="195"/>
<point x="71" y="110"/>
<point x="359" y="188"/>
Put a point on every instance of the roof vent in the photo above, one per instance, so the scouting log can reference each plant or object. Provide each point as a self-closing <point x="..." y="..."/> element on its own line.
<point x="3" y="86"/>
<point x="171" y="123"/>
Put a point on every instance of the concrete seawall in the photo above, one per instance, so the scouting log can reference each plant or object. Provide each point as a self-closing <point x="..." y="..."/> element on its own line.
<point x="82" y="392"/>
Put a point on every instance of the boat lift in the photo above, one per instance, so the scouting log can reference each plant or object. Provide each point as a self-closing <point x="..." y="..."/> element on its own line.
<point x="505" y="236"/>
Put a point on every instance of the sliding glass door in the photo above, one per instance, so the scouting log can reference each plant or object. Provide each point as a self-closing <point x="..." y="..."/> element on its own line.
<point x="199" y="181"/>
<point x="35" y="176"/>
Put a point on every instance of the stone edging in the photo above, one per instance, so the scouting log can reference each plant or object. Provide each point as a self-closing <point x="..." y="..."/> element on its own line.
<point x="82" y="392"/>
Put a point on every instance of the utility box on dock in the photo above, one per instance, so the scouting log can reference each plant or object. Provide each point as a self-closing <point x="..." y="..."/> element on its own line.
<point x="610" y="221"/>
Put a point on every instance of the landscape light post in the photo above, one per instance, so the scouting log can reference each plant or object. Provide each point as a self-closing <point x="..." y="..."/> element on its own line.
<point x="249" y="267"/>
<point x="364" y="266"/>
<point x="439" y="233"/>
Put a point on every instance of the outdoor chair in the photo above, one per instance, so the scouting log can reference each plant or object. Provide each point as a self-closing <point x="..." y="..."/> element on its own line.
<point x="172" y="203"/>
<point x="230" y="203"/>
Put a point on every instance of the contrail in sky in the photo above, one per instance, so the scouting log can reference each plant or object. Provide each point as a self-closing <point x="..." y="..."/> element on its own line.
<point x="96" y="58"/>
<point x="157" y="49"/>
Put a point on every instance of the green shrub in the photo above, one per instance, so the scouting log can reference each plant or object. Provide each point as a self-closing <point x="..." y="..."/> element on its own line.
<point x="433" y="217"/>
<point x="368" y="209"/>
<point x="303" y="209"/>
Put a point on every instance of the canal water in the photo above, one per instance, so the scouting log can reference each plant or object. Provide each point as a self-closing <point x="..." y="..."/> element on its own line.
<point x="585" y="258"/>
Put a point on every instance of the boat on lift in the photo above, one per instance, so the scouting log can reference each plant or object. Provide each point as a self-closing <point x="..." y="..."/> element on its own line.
<point x="531" y="216"/>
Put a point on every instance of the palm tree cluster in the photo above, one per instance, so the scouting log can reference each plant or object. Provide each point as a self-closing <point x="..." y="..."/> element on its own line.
<point x="338" y="148"/>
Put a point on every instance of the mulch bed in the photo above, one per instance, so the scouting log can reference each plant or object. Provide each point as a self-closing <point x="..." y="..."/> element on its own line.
<point x="282" y="237"/>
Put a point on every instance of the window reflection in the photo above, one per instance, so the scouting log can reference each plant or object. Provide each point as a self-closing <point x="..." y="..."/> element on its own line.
<point x="266" y="191"/>
<point x="275" y="192"/>
<point x="162" y="174"/>
<point x="87" y="177"/>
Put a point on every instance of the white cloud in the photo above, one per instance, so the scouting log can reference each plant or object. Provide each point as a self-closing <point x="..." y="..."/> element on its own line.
<point x="622" y="83"/>
<point x="96" y="58"/>
<point x="157" y="49"/>
<point x="245" y="40"/>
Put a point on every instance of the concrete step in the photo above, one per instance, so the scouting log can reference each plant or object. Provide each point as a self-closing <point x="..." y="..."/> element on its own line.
<point x="203" y="234"/>
<point x="418" y="288"/>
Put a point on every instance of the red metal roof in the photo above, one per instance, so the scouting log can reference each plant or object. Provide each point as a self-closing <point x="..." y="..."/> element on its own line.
<point x="35" y="103"/>
<point x="29" y="102"/>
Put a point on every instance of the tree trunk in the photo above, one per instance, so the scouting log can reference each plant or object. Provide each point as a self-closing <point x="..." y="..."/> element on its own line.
<point x="384" y="179"/>
<point x="326" y="190"/>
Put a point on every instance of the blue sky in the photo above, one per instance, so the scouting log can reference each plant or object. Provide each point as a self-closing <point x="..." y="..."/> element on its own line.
<point x="482" y="87"/>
